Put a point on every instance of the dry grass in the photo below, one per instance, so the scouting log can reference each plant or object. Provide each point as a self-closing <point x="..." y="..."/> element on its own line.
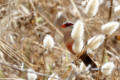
<point x="22" y="32"/>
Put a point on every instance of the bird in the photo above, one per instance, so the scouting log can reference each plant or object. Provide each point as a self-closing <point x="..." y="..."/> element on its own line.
<point x="67" y="29"/>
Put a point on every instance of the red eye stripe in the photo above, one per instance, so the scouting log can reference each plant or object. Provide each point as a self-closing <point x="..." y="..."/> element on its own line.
<point x="67" y="24"/>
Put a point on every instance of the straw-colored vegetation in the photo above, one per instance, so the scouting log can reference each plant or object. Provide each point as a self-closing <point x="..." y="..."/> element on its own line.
<point x="34" y="46"/>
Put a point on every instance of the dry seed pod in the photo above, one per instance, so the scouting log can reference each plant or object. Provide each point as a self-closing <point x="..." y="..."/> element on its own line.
<point x="107" y="68"/>
<point x="31" y="75"/>
<point x="77" y="46"/>
<point x="84" y="2"/>
<point x="95" y="42"/>
<point x="78" y="30"/>
<point x="117" y="10"/>
<point x="101" y="1"/>
<point x="24" y="10"/>
<point x="75" y="68"/>
<point x="92" y="7"/>
<point x="116" y="2"/>
<point x="48" y="42"/>
<point x="54" y="76"/>
<point x="82" y="67"/>
<point x="110" y="27"/>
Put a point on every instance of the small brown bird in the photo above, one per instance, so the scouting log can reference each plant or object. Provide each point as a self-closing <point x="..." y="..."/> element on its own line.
<point x="67" y="26"/>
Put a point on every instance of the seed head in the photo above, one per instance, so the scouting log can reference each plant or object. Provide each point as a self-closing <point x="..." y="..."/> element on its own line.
<point x="110" y="27"/>
<point x="95" y="42"/>
<point x="82" y="67"/>
<point x="101" y="1"/>
<point x="24" y="10"/>
<point x="78" y="46"/>
<point x="117" y="10"/>
<point x="78" y="30"/>
<point x="107" y="68"/>
<point x="92" y="7"/>
<point x="48" y="42"/>
<point x="54" y="76"/>
<point x="31" y="75"/>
